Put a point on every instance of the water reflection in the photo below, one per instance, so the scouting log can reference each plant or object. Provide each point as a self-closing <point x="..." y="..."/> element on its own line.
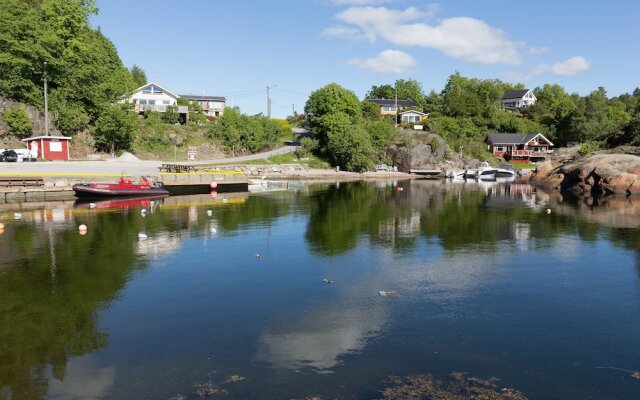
<point x="434" y="242"/>
<point x="83" y="379"/>
<point x="318" y="339"/>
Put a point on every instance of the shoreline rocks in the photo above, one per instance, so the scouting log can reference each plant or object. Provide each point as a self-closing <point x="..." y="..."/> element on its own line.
<point x="595" y="174"/>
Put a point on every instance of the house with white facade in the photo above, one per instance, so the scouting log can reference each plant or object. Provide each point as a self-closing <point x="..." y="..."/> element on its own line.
<point x="153" y="97"/>
<point x="518" y="99"/>
<point x="213" y="106"/>
<point x="412" y="116"/>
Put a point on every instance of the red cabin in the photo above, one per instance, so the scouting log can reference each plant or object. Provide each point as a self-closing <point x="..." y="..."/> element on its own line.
<point x="49" y="147"/>
<point x="519" y="147"/>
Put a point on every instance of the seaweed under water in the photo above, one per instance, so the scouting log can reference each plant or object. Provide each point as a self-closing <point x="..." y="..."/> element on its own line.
<point x="459" y="387"/>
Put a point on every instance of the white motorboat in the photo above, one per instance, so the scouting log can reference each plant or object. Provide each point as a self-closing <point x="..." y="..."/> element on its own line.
<point x="506" y="170"/>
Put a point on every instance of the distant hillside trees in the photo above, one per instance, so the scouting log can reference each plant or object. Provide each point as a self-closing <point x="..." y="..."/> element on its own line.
<point x="83" y="68"/>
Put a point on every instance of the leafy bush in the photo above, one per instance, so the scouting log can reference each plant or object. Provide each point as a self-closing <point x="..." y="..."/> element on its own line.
<point x="591" y="146"/>
<point x="237" y="131"/>
<point x="171" y="116"/>
<point x="307" y="147"/>
<point x="18" y="121"/>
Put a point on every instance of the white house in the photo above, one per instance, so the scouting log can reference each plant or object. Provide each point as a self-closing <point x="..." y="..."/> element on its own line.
<point x="411" y="116"/>
<point x="518" y="99"/>
<point x="153" y="97"/>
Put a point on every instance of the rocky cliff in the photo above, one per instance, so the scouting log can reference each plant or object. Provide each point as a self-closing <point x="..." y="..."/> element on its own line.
<point x="616" y="172"/>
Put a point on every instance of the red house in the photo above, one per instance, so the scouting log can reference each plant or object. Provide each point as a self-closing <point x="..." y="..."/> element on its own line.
<point x="49" y="147"/>
<point x="519" y="147"/>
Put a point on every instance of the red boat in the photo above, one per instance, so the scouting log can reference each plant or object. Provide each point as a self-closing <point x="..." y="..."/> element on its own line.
<point x="124" y="187"/>
<point x="121" y="203"/>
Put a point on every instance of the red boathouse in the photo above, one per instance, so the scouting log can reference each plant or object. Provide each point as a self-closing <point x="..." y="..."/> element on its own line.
<point x="49" y="147"/>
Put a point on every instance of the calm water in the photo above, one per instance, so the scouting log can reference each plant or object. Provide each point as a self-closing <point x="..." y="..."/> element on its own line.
<point x="487" y="283"/>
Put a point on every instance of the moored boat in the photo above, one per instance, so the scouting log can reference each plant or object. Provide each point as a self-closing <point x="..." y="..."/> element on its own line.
<point x="506" y="170"/>
<point x="124" y="187"/>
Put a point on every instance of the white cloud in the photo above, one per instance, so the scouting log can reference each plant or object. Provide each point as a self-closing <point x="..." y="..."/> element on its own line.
<point x="343" y="32"/>
<point x="466" y="38"/>
<point x="568" y="67"/>
<point x="359" y="2"/>
<point x="571" y="66"/>
<point x="388" y="61"/>
<point x="536" y="51"/>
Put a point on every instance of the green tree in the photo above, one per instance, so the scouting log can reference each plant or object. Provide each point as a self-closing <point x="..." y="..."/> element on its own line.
<point x="138" y="76"/>
<point x="170" y="116"/>
<point x="18" y="121"/>
<point x="381" y="92"/>
<point x="347" y="144"/>
<point x="331" y="99"/>
<point x="115" y="128"/>
<point x="410" y="89"/>
<point x="370" y="110"/>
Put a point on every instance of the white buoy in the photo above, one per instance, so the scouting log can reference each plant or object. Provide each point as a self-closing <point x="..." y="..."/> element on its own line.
<point x="209" y="212"/>
<point x="142" y="236"/>
<point x="92" y="205"/>
<point x="143" y="212"/>
<point x="548" y="211"/>
<point x="17" y="215"/>
<point x="213" y="230"/>
<point x="213" y="185"/>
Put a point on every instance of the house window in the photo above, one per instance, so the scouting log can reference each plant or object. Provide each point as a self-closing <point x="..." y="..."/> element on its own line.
<point x="151" y="89"/>
<point x="500" y="148"/>
<point x="166" y="102"/>
<point x="152" y="102"/>
<point x="142" y="101"/>
<point x="389" y="108"/>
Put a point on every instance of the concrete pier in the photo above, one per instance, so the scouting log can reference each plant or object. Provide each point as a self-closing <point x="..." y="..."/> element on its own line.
<point x="58" y="186"/>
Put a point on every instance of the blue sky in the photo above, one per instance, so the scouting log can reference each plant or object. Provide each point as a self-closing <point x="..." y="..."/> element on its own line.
<point x="237" y="48"/>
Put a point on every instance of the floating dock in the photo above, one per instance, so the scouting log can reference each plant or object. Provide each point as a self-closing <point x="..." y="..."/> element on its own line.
<point x="23" y="187"/>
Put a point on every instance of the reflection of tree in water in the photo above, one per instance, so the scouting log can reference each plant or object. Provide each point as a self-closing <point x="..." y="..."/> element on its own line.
<point x="49" y="315"/>
<point x="455" y="216"/>
<point x="340" y="215"/>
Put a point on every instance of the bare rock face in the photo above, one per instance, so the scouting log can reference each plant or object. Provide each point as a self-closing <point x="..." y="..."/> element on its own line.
<point x="596" y="173"/>
<point x="425" y="152"/>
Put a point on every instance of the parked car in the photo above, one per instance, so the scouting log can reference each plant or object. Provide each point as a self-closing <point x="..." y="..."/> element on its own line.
<point x="25" y="155"/>
<point x="9" y="156"/>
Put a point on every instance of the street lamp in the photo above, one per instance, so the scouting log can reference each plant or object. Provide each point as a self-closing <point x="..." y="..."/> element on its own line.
<point x="46" y="103"/>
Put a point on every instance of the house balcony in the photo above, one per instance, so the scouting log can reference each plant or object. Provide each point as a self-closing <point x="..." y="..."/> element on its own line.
<point x="528" y="153"/>
<point x="159" y="108"/>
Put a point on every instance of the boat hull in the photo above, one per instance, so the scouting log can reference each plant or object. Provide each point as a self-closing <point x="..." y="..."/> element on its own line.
<point x="86" y="191"/>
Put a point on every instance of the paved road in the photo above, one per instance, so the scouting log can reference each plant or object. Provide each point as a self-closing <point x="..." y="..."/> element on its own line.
<point x="118" y="167"/>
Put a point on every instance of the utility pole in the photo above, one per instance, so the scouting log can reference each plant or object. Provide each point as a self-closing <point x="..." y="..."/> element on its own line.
<point x="269" y="100"/>
<point x="396" y="90"/>
<point x="46" y="103"/>
<point x="293" y="109"/>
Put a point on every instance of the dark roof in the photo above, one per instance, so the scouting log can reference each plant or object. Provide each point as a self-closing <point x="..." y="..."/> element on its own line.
<point x="514" y="94"/>
<point x="205" y="98"/>
<point x="392" y="102"/>
<point x="510" y="138"/>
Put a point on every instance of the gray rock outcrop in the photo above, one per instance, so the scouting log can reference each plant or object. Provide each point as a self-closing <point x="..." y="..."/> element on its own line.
<point x="598" y="173"/>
